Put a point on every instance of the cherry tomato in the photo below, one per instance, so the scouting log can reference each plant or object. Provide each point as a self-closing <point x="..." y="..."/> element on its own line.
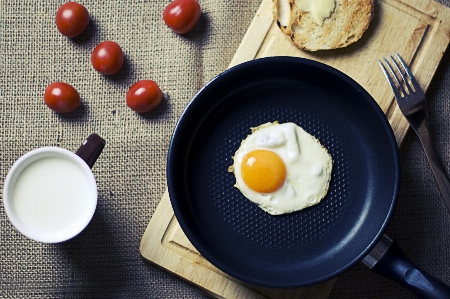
<point x="182" y="15"/>
<point x="61" y="97"/>
<point x="107" y="57"/>
<point x="71" y="19"/>
<point x="144" y="96"/>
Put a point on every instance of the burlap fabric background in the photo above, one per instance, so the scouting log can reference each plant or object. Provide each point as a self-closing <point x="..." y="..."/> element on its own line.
<point x="104" y="261"/>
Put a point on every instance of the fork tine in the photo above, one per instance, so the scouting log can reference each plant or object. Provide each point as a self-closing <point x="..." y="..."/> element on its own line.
<point x="408" y="72"/>
<point x="408" y="87"/>
<point x="388" y="77"/>
<point x="395" y="76"/>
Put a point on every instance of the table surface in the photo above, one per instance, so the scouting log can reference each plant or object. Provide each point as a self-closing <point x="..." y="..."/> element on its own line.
<point x="104" y="260"/>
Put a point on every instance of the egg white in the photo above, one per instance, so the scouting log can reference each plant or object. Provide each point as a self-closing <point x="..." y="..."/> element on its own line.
<point x="308" y="167"/>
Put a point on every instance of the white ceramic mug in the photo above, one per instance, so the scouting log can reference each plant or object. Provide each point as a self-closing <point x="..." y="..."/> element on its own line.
<point x="50" y="193"/>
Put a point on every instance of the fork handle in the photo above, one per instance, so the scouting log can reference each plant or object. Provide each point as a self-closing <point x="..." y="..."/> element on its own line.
<point x="436" y="167"/>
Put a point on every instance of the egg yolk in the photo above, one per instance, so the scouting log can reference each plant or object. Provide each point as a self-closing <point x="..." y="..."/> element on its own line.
<point x="263" y="171"/>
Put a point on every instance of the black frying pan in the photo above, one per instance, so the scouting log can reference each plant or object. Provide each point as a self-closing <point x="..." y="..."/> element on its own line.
<point x="305" y="247"/>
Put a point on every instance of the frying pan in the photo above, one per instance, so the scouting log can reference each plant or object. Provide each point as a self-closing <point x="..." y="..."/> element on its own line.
<point x="309" y="246"/>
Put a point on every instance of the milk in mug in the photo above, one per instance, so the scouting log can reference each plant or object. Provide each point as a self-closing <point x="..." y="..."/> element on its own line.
<point x="50" y="195"/>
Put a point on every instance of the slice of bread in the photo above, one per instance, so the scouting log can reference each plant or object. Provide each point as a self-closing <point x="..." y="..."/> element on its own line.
<point x="346" y="24"/>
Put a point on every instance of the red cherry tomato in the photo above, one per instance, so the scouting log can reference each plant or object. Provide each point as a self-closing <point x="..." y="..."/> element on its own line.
<point x="144" y="96"/>
<point x="61" y="97"/>
<point x="71" y="19"/>
<point x="182" y="15"/>
<point x="107" y="58"/>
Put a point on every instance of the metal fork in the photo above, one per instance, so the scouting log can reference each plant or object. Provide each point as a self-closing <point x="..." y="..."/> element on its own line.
<point x="413" y="104"/>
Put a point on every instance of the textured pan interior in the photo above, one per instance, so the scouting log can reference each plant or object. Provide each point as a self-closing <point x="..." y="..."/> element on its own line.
<point x="245" y="217"/>
<point x="301" y="248"/>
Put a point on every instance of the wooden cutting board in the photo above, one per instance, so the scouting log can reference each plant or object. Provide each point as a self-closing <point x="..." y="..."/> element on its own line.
<point x="419" y="30"/>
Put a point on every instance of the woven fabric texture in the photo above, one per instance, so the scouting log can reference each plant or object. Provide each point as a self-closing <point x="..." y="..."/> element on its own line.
<point x="104" y="260"/>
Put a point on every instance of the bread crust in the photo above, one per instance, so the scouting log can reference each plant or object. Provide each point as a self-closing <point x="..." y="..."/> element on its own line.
<point x="346" y="24"/>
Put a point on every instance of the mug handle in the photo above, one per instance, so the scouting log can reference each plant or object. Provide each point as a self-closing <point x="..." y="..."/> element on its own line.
<point x="91" y="149"/>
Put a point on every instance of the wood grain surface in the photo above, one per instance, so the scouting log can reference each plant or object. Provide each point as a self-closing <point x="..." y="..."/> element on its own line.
<point x="418" y="30"/>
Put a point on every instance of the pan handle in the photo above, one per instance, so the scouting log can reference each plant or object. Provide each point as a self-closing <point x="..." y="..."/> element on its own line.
<point x="388" y="260"/>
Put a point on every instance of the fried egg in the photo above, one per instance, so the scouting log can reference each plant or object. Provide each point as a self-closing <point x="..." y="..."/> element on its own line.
<point x="282" y="168"/>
